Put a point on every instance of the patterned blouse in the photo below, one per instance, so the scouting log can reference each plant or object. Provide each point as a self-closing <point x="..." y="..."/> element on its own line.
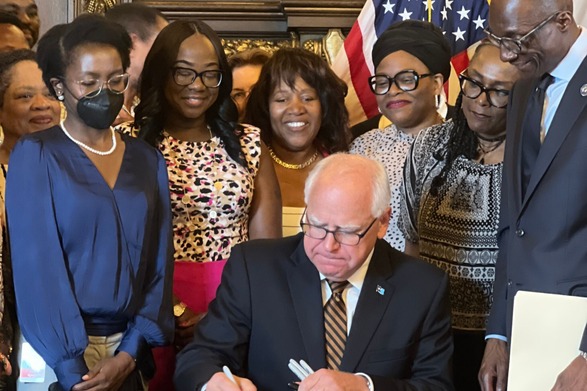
<point x="211" y="194"/>
<point x="456" y="230"/>
<point x="390" y="147"/>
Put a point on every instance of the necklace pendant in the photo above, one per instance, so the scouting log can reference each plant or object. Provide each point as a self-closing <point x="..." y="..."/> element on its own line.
<point x="185" y="199"/>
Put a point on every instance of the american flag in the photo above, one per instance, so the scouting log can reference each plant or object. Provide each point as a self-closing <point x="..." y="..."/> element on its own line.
<point x="462" y="22"/>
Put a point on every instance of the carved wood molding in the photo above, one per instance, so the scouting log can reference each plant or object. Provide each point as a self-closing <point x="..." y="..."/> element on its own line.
<point x="94" y="6"/>
<point x="269" y="17"/>
<point x="258" y="23"/>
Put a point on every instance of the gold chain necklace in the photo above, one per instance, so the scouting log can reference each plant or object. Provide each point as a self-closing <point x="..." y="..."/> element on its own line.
<point x="290" y="166"/>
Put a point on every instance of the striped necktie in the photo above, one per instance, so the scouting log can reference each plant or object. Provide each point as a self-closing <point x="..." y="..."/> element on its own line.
<point x="335" y="322"/>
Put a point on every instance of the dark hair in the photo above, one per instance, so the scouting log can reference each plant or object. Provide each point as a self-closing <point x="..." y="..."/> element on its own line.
<point x="286" y="65"/>
<point x="249" y="57"/>
<point x="136" y="18"/>
<point x="462" y="140"/>
<point x="6" y="18"/>
<point x="7" y="61"/>
<point x="151" y="113"/>
<point x="57" y="44"/>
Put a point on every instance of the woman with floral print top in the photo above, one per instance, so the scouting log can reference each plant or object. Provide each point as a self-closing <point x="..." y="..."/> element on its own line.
<point x="222" y="183"/>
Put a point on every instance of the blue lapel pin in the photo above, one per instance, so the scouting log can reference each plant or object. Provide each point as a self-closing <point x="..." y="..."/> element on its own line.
<point x="380" y="290"/>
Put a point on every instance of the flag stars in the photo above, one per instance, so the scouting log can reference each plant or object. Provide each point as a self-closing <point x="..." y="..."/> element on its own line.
<point x="448" y="4"/>
<point x="444" y="13"/>
<point x="388" y="7"/>
<point x="425" y="2"/>
<point x="464" y="13"/>
<point x="405" y="15"/>
<point x="479" y="23"/>
<point x="459" y="34"/>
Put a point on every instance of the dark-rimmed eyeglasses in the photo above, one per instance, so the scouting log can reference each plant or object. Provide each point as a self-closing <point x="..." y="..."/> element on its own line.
<point x="342" y="237"/>
<point x="516" y="46"/>
<point x="473" y="89"/>
<point x="186" y="76"/>
<point x="90" y="88"/>
<point x="404" y="80"/>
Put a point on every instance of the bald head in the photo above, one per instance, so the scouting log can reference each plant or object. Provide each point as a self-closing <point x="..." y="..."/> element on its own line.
<point x="364" y="178"/>
<point x="542" y="30"/>
<point x="12" y="38"/>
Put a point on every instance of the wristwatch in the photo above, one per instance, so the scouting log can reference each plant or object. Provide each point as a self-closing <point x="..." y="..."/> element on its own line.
<point x="179" y="309"/>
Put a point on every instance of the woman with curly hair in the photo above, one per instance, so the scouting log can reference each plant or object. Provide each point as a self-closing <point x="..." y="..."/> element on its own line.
<point x="298" y="103"/>
<point x="450" y="199"/>
<point x="222" y="184"/>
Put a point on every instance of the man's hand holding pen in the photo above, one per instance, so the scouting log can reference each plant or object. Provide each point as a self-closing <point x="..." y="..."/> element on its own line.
<point x="325" y="379"/>
<point x="226" y="381"/>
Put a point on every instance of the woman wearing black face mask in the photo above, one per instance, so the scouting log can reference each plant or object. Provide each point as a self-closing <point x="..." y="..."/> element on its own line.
<point x="89" y="219"/>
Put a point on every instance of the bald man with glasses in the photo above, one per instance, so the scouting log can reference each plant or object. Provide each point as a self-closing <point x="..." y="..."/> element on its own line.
<point x="542" y="231"/>
<point x="362" y="315"/>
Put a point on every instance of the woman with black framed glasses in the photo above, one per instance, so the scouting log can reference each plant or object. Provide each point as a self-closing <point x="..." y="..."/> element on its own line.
<point x="90" y="222"/>
<point x="222" y="183"/>
<point x="412" y="62"/>
<point x="450" y="200"/>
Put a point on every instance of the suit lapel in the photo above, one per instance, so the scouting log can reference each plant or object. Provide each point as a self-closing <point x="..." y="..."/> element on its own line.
<point x="373" y="302"/>
<point x="306" y="292"/>
<point x="569" y="109"/>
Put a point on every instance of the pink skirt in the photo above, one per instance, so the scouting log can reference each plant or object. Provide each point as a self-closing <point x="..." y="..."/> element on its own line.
<point x="195" y="284"/>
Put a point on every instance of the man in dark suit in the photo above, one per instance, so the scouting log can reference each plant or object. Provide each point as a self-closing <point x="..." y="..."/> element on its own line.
<point x="543" y="228"/>
<point x="273" y="300"/>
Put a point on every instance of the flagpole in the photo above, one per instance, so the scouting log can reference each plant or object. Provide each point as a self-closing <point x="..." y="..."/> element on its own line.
<point x="430" y="11"/>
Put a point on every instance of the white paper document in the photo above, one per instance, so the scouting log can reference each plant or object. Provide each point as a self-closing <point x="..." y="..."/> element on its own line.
<point x="546" y="334"/>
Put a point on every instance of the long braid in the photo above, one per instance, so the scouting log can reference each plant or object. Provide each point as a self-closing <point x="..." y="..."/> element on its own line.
<point x="462" y="142"/>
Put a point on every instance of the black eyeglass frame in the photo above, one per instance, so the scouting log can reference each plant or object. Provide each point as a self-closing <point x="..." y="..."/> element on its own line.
<point x="393" y="80"/>
<point x="334" y="233"/>
<point x="482" y="89"/>
<point x="516" y="46"/>
<point x="195" y="75"/>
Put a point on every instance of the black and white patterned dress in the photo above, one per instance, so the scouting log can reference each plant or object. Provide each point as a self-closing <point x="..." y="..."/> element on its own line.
<point x="390" y="147"/>
<point x="457" y="229"/>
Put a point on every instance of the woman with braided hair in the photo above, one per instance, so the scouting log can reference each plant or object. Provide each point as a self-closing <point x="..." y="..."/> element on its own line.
<point x="450" y="198"/>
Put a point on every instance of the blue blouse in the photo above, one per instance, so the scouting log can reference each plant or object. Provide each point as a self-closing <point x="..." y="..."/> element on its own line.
<point x="87" y="257"/>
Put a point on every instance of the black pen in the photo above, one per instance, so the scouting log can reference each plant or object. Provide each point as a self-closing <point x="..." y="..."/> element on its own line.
<point x="293" y="385"/>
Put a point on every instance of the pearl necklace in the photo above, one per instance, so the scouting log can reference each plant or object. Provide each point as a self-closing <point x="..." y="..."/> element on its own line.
<point x="290" y="166"/>
<point x="87" y="147"/>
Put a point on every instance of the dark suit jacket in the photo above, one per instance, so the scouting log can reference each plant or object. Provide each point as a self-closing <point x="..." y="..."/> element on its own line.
<point x="268" y="310"/>
<point x="543" y="235"/>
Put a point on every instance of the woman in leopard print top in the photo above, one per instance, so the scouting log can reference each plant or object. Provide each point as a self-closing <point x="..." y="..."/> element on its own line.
<point x="222" y="183"/>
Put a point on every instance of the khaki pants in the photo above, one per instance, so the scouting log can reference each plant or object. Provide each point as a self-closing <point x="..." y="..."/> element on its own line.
<point x="104" y="347"/>
<point x="98" y="349"/>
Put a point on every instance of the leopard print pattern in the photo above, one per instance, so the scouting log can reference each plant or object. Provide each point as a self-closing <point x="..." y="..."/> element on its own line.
<point x="210" y="194"/>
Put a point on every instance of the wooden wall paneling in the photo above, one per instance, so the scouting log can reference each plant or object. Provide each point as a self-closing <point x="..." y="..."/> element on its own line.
<point x="318" y="26"/>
